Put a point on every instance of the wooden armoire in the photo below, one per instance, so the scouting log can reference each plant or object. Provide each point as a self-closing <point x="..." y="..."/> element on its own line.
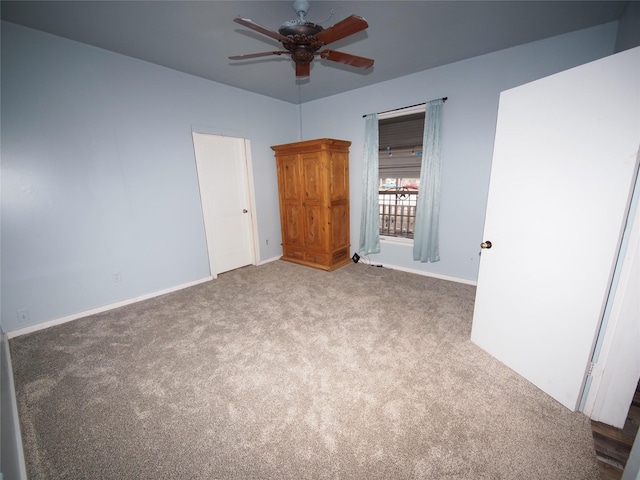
<point x="313" y="184"/>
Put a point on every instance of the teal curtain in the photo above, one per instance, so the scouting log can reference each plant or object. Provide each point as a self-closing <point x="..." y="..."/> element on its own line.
<point x="369" y="228"/>
<point x="425" y="239"/>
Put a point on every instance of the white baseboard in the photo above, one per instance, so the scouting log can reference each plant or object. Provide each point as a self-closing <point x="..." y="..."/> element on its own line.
<point x="93" y="311"/>
<point x="75" y="316"/>
<point x="404" y="269"/>
<point x="13" y="462"/>
<point x="268" y="260"/>
<point x="434" y="275"/>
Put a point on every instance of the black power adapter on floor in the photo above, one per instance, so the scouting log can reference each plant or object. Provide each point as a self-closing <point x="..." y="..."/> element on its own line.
<point x="355" y="258"/>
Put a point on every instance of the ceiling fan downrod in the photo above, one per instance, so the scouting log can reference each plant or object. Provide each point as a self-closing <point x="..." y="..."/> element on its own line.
<point x="301" y="7"/>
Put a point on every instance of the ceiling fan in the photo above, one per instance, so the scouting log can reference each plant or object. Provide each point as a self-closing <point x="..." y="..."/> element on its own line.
<point x="304" y="40"/>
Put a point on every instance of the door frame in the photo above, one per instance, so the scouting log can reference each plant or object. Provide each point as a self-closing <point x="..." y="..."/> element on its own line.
<point x="250" y="186"/>
<point x="615" y="371"/>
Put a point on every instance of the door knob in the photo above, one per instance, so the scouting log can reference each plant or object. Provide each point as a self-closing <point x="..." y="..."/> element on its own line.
<point x="486" y="244"/>
<point x="244" y="210"/>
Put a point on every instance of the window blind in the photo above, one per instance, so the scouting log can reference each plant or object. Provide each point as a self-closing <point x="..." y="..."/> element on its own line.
<point x="400" y="146"/>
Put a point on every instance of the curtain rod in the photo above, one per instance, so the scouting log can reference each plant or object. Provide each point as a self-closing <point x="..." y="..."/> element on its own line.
<point x="444" y="99"/>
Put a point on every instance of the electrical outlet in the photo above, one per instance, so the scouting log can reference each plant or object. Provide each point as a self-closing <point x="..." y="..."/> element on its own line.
<point x="117" y="277"/>
<point x="23" y="315"/>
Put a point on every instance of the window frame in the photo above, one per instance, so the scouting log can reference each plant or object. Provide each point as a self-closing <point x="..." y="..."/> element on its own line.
<point x="402" y="239"/>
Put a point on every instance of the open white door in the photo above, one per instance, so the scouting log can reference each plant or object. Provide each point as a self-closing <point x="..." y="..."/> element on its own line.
<point x="224" y="191"/>
<point x="563" y="163"/>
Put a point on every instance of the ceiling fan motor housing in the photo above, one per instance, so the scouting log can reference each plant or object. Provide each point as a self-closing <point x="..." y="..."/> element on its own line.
<point x="301" y="41"/>
<point x="299" y="28"/>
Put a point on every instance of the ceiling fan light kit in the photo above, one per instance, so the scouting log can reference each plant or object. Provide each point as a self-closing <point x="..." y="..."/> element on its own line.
<point x="303" y="40"/>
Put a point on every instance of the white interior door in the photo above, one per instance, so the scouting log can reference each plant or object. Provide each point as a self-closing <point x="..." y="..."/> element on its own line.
<point x="563" y="165"/>
<point x="224" y="191"/>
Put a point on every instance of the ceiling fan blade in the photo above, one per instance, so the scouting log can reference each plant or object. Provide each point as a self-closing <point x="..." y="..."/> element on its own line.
<point x="259" y="28"/>
<point x="343" y="28"/>
<point x="346" y="58"/>
<point x="303" y="70"/>
<point x="256" y="55"/>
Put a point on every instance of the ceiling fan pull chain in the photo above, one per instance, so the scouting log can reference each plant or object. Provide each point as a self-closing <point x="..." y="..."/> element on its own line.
<point x="333" y="12"/>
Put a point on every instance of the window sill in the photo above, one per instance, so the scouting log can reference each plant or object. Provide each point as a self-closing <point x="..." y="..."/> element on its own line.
<point x="407" y="242"/>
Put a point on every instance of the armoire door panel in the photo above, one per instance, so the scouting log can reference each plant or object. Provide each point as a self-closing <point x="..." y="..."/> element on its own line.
<point x="292" y="231"/>
<point x="339" y="176"/>
<point x="313" y="178"/>
<point x="314" y="226"/>
<point x="290" y="172"/>
<point x="339" y="224"/>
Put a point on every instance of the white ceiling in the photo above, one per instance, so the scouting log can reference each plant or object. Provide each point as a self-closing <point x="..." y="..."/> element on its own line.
<point x="403" y="37"/>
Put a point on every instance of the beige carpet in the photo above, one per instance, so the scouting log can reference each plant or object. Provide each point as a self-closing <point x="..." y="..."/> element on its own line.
<point x="287" y="372"/>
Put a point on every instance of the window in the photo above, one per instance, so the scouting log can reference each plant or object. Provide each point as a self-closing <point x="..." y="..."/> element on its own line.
<point x="400" y="159"/>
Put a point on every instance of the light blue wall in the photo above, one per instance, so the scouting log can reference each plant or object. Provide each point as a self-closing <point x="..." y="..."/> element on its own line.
<point x="99" y="176"/>
<point x="98" y="171"/>
<point x="473" y="88"/>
